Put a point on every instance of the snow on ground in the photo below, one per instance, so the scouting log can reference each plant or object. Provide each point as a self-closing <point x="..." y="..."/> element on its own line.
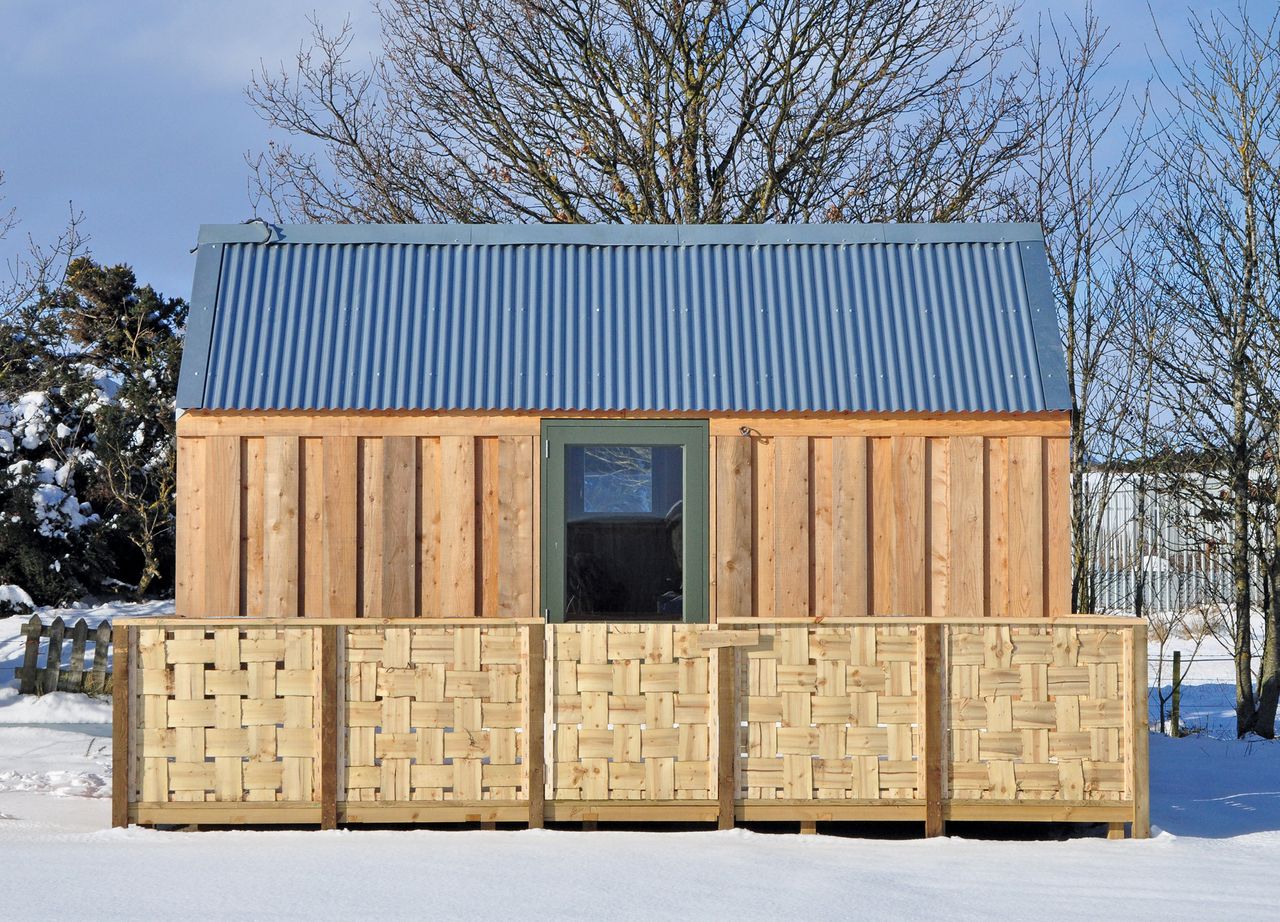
<point x="1215" y="803"/>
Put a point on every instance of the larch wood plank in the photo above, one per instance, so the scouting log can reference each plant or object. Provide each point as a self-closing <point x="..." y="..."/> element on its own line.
<point x="537" y="611"/>
<point x="821" y="537"/>
<point x="726" y="736"/>
<point x="966" y="524"/>
<point x="369" y="578"/>
<point x="189" y="549"/>
<point x="734" y="540"/>
<point x="850" y="560"/>
<point x="311" y="516"/>
<point x="1026" y="527"/>
<point x="121" y="730"/>
<point x="330" y="751"/>
<point x="996" y="517"/>
<point x="399" y="531"/>
<point x="1057" y="528"/>
<point x="535" y="756"/>
<point x="222" y="548"/>
<point x="489" y="536"/>
<point x="791" y="526"/>
<point x="428" y="529"/>
<point x="1140" y="747"/>
<point x="713" y="534"/>
<point x="884" y="533"/>
<point x="764" y="569"/>
<point x="515" y="526"/>
<point x="253" y="484"/>
<point x="931" y="705"/>
<point x="458" y="526"/>
<point x="909" y="514"/>
<point x="197" y="423"/>
<point x="280" y="527"/>
<point x="938" y="531"/>
<point x="341" y="523"/>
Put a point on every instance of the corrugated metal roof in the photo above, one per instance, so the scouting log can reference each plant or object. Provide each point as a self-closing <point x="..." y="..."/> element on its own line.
<point x="699" y="319"/>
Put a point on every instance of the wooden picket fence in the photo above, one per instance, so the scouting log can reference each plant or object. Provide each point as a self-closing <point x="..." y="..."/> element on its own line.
<point x="35" y="679"/>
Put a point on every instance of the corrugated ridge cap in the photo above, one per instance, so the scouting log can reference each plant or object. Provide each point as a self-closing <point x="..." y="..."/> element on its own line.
<point x="620" y="234"/>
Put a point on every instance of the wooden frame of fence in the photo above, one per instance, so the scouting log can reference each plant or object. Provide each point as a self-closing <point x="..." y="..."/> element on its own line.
<point x="252" y="721"/>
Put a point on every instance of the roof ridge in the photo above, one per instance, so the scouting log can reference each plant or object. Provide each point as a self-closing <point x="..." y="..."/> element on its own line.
<point x="621" y="234"/>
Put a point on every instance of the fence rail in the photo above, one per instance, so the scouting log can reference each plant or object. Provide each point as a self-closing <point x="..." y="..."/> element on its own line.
<point x="36" y="679"/>
<point x="247" y="721"/>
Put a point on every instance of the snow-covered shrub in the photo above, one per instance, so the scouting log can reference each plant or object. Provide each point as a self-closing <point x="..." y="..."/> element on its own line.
<point x="88" y="372"/>
<point x="15" y="601"/>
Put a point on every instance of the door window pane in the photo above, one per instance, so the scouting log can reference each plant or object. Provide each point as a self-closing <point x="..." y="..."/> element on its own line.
<point x="624" y="534"/>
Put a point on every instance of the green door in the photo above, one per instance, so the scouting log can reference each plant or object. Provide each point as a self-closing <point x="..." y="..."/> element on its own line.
<point x="624" y="520"/>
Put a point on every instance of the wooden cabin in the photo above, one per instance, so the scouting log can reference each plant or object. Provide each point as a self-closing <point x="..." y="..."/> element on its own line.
<point x="581" y="523"/>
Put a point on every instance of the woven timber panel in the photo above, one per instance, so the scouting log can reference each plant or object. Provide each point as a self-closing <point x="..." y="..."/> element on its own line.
<point x="832" y="713"/>
<point x="632" y="716"/>
<point x="228" y="714"/>
<point x="434" y="713"/>
<point x="1037" y="712"/>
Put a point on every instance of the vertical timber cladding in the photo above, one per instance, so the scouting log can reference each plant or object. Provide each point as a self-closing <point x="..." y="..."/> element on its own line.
<point x="382" y="526"/>
<point x="839" y="525"/>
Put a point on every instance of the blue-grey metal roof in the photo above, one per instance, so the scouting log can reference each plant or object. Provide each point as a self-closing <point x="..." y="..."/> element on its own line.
<point x="769" y="318"/>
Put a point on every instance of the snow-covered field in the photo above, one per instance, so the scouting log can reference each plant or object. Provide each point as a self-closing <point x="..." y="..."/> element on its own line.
<point x="1216" y="848"/>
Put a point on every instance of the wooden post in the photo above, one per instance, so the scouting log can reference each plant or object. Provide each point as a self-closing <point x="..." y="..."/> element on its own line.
<point x="1175" y="704"/>
<point x="726" y="709"/>
<point x="534" y="753"/>
<point x="28" y="680"/>
<point x="1141" y="737"/>
<point x="121" y="732"/>
<point x="101" y="653"/>
<point x="932" y="705"/>
<point x="330" y="637"/>
<point x="74" y="679"/>
<point x="53" y="657"/>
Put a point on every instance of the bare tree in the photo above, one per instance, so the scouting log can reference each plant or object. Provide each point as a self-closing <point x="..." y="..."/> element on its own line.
<point x="1215" y="223"/>
<point x="1082" y="178"/>
<point x="644" y="111"/>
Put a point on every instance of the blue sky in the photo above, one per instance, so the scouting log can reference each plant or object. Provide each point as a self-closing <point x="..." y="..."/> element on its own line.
<point x="134" y="111"/>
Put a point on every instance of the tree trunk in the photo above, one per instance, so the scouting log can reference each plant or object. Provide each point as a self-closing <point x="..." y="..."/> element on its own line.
<point x="1246" y="709"/>
<point x="1269" y="681"/>
<point x="150" y="568"/>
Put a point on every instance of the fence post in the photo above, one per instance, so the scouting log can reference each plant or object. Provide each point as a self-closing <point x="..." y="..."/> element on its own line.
<point x="330" y="637"/>
<point x="1175" y="704"/>
<point x="1141" y="737"/>
<point x="726" y="710"/>
<point x="53" y="657"/>
<point x="101" y="652"/>
<point x="931" y="708"/>
<point x="535" y="748"/>
<point x="121" y="731"/>
<point x="28" y="680"/>
<point x="73" y="681"/>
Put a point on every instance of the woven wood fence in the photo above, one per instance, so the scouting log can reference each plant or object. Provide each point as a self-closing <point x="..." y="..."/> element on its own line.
<point x="35" y="678"/>
<point x="305" y="721"/>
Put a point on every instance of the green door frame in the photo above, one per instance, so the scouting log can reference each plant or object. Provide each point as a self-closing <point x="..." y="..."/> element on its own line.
<point x="692" y="434"/>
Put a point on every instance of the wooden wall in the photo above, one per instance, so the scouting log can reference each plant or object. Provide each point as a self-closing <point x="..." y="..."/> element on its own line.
<point x="850" y="526"/>
<point x="347" y="526"/>
<point x="415" y="516"/>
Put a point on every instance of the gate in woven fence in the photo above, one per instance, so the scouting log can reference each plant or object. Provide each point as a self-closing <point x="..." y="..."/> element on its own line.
<point x="246" y="721"/>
